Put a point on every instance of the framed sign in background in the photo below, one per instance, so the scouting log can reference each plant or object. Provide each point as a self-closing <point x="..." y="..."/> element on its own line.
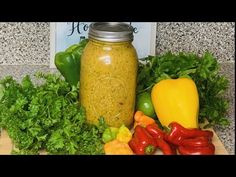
<point x="64" y="34"/>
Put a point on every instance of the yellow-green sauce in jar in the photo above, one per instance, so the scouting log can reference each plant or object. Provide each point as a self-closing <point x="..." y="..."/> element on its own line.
<point x="108" y="74"/>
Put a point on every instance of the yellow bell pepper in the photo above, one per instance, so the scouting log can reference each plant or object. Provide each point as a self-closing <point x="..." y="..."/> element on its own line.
<point x="176" y="100"/>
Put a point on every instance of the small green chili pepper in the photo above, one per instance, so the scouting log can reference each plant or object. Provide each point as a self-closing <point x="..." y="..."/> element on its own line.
<point x="109" y="134"/>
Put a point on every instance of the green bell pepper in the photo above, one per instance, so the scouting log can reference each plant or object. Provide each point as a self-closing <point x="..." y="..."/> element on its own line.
<point x="68" y="62"/>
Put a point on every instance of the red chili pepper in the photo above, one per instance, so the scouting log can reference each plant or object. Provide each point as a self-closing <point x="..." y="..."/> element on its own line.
<point x="200" y="141"/>
<point x="174" y="136"/>
<point x="178" y="133"/>
<point x="142" y="142"/>
<point x="165" y="147"/>
<point x="174" y="148"/>
<point x="188" y="150"/>
<point x="155" y="131"/>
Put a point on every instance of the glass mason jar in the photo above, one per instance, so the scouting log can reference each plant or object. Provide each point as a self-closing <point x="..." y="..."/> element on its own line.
<point x="108" y="74"/>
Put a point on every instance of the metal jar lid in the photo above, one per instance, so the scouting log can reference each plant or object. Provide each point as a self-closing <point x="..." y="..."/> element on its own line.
<point x="111" y="31"/>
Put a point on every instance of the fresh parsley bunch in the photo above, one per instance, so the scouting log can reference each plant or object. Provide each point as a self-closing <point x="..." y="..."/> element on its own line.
<point x="47" y="117"/>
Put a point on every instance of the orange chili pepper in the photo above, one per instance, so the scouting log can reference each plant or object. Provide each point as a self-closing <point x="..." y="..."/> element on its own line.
<point x="143" y="120"/>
